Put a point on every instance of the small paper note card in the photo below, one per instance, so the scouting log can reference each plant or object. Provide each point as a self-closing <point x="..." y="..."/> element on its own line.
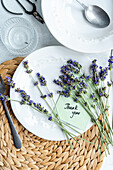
<point x="72" y="112"/>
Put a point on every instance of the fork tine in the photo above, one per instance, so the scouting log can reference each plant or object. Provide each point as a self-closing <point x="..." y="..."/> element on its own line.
<point x="111" y="52"/>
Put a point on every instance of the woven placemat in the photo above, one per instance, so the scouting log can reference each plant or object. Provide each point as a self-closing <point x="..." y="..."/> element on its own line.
<point x="37" y="153"/>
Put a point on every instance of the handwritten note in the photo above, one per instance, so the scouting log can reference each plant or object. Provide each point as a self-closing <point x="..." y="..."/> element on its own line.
<point x="73" y="108"/>
<point x="72" y="112"/>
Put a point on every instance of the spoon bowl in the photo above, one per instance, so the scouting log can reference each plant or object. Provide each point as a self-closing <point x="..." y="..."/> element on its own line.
<point x="97" y="16"/>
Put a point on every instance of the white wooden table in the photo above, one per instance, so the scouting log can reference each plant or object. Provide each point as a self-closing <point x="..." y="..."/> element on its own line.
<point x="46" y="40"/>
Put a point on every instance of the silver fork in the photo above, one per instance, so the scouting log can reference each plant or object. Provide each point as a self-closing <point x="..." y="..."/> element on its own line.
<point x="16" y="138"/>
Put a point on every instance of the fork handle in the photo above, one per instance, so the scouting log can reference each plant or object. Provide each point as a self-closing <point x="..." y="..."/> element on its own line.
<point x="16" y="138"/>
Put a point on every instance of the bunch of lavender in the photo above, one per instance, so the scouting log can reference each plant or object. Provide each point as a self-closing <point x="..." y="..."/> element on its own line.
<point x="88" y="91"/>
<point x="91" y="92"/>
<point x="52" y="115"/>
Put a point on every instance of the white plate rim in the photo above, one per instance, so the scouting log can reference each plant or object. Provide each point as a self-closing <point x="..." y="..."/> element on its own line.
<point x="59" y="39"/>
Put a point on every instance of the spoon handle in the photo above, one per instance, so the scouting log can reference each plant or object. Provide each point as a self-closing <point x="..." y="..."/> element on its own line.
<point x="82" y="4"/>
<point x="16" y="138"/>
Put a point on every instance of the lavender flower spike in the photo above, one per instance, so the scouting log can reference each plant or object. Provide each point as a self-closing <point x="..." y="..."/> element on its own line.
<point x="26" y="66"/>
<point x="10" y="82"/>
<point x="110" y="63"/>
<point x="4" y="98"/>
<point x="42" y="80"/>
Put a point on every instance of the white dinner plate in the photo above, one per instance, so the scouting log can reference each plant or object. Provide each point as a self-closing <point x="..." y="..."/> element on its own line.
<point x="66" y="22"/>
<point x="47" y="61"/>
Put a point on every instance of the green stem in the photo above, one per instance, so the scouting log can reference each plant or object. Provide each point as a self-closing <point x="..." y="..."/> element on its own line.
<point x="71" y="128"/>
<point x="99" y="127"/>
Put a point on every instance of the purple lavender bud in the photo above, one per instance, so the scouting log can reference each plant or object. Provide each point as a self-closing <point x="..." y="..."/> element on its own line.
<point x="108" y="84"/>
<point x="22" y="102"/>
<point x="10" y="82"/>
<point x="50" y="118"/>
<point x="50" y="95"/>
<point x="92" y="95"/>
<point x="86" y="104"/>
<point x="45" y="111"/>
<point x="29" y="71"/>
<point x="4" y="98"/>
<point x="36" y="83"/>
<point x="76" y="100"/>
<point x="43" y="96"/>
<point x="100" y="94"/>
<point x="25" y="63"/>
<point x="38" y="74"/>
<point x="30" y="102"/>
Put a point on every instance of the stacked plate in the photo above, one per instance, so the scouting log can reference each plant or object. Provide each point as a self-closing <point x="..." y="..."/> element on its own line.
<point x="66" y="22"/>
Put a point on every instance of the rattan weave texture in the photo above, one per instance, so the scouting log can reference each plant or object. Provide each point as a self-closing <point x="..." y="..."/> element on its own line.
<point x="40" y="154"/>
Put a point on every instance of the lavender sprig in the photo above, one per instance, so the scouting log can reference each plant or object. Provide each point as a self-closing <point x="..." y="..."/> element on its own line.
<point x="94" y="68"/>
<point x="27" y="100"/>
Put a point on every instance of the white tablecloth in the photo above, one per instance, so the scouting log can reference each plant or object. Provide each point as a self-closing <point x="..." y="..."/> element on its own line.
<point x="46" y="39"/>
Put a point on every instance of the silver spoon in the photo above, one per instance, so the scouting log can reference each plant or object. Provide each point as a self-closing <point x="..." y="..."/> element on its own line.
<point x="95" y="15"/>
